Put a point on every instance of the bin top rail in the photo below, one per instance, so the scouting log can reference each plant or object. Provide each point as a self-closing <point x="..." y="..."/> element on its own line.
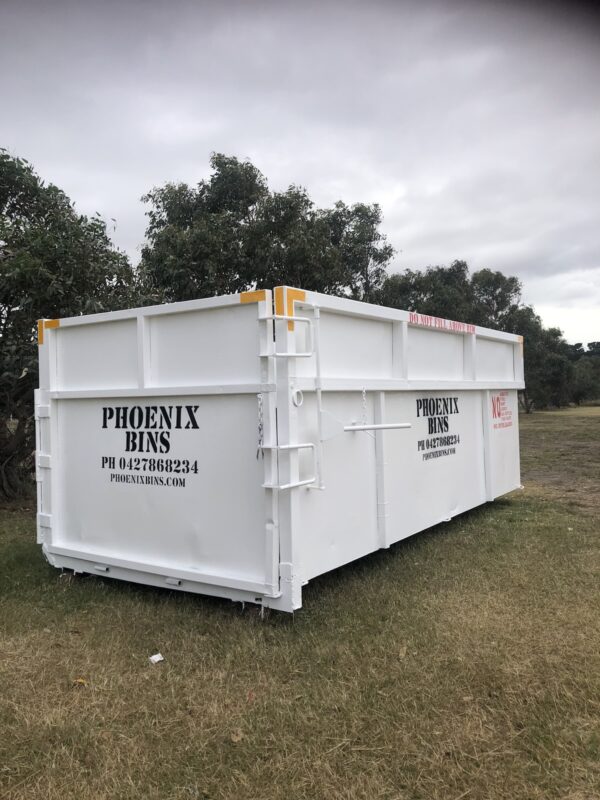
<point x="335" y="342"/>
<point x="285" y="298"/>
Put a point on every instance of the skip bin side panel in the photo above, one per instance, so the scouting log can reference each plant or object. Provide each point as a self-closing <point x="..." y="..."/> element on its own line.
<point x="434" y="470"/>
<point x="502" y="423"/>
<point x="389" y="482"/>
<point x="339" y="524"/>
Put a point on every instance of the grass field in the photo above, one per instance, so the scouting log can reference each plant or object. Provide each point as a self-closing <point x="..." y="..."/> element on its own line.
<point x="462" y="663"/>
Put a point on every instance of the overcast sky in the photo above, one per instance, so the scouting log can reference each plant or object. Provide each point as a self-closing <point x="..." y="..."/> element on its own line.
<point x="475" y="125"/>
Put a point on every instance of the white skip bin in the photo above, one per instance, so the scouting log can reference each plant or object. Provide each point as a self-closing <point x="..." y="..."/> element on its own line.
<point x="239" y="446"/>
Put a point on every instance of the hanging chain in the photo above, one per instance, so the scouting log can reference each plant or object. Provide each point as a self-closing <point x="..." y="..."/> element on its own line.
<point x="261" y="428"/>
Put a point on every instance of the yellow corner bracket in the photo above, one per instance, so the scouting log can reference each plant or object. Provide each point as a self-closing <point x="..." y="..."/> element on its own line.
<point x="253" y="297"/>
<point x="46" y="323"/>
<point x="285" y="297"/>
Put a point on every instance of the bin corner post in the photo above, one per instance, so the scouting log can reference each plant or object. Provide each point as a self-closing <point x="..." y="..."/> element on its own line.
<point x="519" y="367"/>
<point x="44" y="423"/>
<point x="518" y="449"/>
<point x="380" y="472"/>
<point x="288" y="500"/>
<point x="518" y="361"/>
<point x="488" y="462"/>
<point x="267" y="436"/>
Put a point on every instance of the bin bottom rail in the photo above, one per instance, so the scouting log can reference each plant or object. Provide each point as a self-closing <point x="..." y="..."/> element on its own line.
<point x="228" y="587"/>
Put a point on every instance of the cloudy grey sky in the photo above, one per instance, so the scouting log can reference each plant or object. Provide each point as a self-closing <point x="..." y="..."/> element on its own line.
<point x="475" y="125"/>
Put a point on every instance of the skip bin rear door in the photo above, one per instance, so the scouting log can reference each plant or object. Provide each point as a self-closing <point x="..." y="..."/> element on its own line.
<point x="152" y="434"/>
<point x="196" y="510"/>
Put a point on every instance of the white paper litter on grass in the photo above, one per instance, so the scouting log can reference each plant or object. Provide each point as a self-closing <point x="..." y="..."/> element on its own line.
<point x="156" y="658"/>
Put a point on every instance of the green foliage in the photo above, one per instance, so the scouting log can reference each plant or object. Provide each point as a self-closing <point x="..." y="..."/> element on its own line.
<point x="575" y="351"/>
<point x="53" y="263"/>
<point x="548" y="369"/>
<point x="363" y="250"/>
<point x="484" y="298"/>
<point x="197" y="236"/>
<point x="439" y="291"/>
<point x="231" y="233"/>
<point x="586" y="384"/>
<point x="593" y="349"/>
<point x="496" y="297"/>
<point x="290" y="243"/>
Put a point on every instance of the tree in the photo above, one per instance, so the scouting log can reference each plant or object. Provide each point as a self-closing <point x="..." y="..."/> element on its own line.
<point x="290" y="242"/>
<point x="485" y="298"/>
<point x="53" y="263"/>
<point x="495" y="297"/>
<point x="438" y="291"/>
<point x="196" y="237"/>
<point x="558" y="370"/>
<point x="593" y="349"/>
<point x="586" y="383"/>
<point x="576" y="351"/>
<point x="232" y="233"/>
<point x="363" y="250"/>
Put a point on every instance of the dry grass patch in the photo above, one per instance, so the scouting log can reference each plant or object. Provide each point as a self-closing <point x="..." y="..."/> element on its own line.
<point x="464" y="662"/>
<point x="560" y="454"/>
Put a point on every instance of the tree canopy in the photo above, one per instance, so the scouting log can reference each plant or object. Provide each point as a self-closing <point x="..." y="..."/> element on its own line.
<point x="53" y="262"/>
<point x="231" y="233"/>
